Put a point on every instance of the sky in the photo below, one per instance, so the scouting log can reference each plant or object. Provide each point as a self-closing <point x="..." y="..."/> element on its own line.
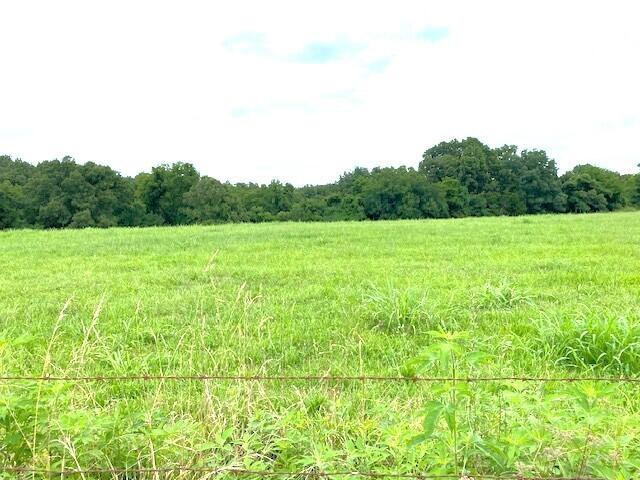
<point x="302" y="91"/>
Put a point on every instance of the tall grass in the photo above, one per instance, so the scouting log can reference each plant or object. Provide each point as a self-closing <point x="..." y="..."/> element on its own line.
<point x="594" y="341"/>
<point x="554" y="297"/>
<point x="394" y="309"/>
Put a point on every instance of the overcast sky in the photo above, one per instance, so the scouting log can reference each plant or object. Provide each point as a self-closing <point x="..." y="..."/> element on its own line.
<point x="302" y="91"/>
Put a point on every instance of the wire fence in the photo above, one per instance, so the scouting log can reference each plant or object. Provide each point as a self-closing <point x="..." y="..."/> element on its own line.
<point x="311" y="378"/>
<point x="266" y="473"/>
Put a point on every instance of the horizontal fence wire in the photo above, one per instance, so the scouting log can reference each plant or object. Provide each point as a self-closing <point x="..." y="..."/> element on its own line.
<point x="308" y="378"/>
<point x="266" y="473"/>
<point x="292" y="378"/>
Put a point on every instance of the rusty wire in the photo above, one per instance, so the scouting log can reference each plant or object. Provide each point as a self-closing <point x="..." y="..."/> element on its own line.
<point x="308" y="378"/>
<point x="267" y="473"/>
<point x="292" y="378"/>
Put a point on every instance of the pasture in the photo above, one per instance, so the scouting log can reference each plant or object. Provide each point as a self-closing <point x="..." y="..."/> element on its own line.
<point x="537" y="296"/>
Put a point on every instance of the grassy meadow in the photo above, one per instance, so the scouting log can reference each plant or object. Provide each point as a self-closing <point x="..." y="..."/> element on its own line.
<point x="547" y="296"/>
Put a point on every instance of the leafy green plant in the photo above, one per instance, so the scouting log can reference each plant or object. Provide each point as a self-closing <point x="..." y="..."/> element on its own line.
<point x="447" y="355"/>
<point x="588" y="403"/>
<point x="22" y="430"/>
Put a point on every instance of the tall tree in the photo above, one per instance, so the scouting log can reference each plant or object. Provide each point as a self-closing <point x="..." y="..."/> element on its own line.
<point x="539" y="183"/>
<point x="593" y="188"/>
<point x="163" y="191"/>
<point x="391" y="193"/>
<point x="210" y="201"/>
<point x="584" y="193"/>
<point x="14" y="174"/>
<point x="636" y="193"/>
<point x="474" y="165"/>
<point x="10" y="205"/>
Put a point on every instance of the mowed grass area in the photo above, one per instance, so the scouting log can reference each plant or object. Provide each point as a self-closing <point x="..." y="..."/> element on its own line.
<point x="537" y="296"/>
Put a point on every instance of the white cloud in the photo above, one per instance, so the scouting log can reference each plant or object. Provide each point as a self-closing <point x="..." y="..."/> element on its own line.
<point x="301" y="91"/>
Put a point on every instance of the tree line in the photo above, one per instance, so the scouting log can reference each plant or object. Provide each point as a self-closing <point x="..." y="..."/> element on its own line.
<point x="454" y="179"/>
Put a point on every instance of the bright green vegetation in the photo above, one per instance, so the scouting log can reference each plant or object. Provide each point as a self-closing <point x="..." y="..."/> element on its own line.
<point x="537" y="296"/>
<point x="454" y="179"/>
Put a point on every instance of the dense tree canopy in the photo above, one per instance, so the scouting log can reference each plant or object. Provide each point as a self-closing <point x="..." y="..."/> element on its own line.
<point x="454" y="179"/>
<point x="483" y="181"/>
<point x="634" y="188"/>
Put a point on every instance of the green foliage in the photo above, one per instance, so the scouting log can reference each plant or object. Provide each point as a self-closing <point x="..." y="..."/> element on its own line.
<point x="538" y="183"/>
<point x="41" y="418"/>
<point x="389" y="194"/>
<point x="583" y="410"/>
<point x="455" y="179"/>
<point x="59" y="194"/>
<point x="10" y="205"/>
<point x="456" y="195"/>
<point x="163" y="191"/>
<point x="635" y="190"/>
<point x="447" y="355"/>
<point x="480" y="181"/>
<point x="210" y="201"/>
<point x="593" y="189"/>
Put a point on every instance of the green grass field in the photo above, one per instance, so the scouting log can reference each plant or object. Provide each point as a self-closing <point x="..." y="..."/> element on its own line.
<point x="528" y="296"/>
